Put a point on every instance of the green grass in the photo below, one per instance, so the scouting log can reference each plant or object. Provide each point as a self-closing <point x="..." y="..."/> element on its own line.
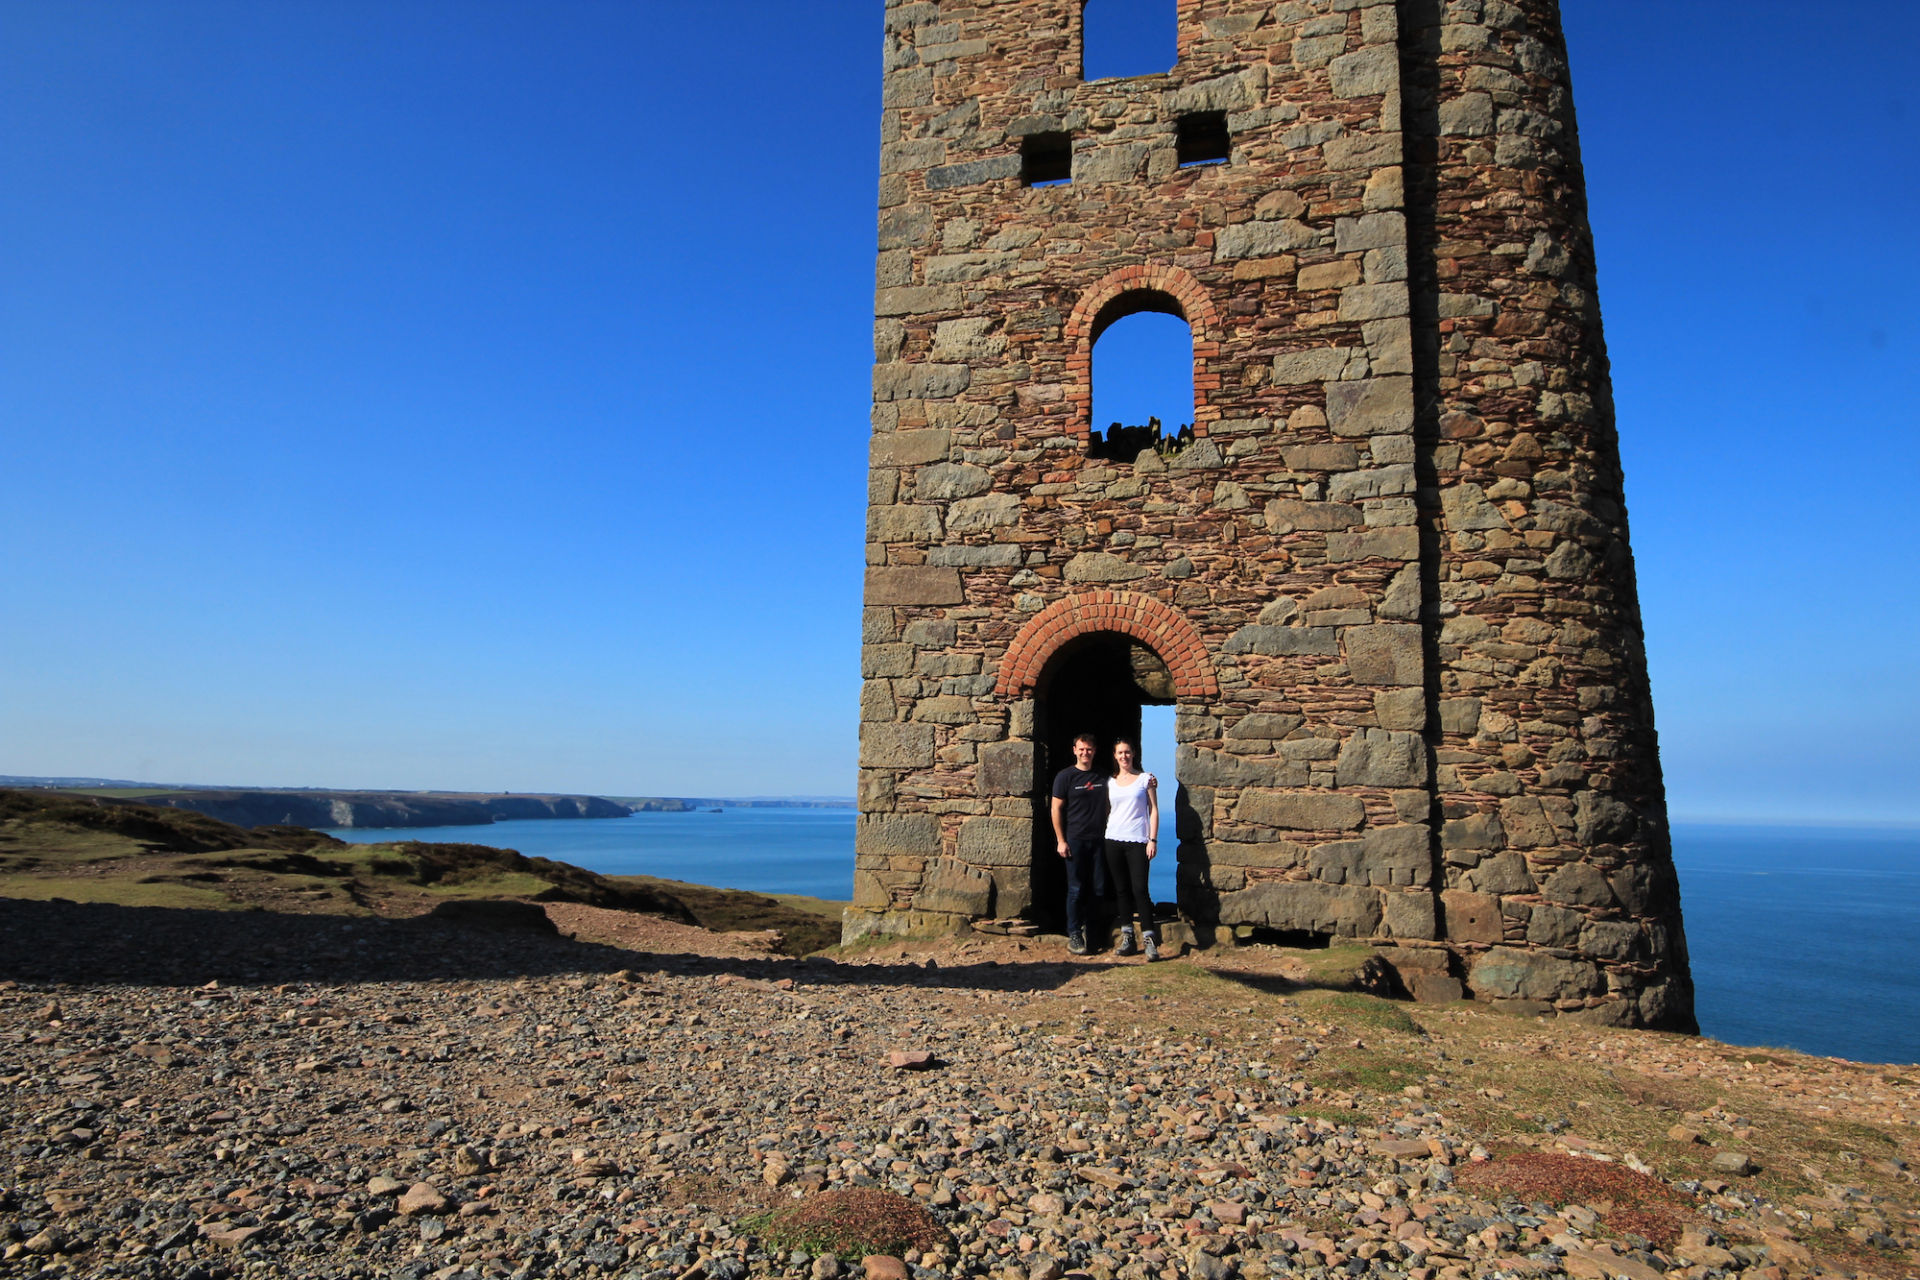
<point x="1329" y="1114"/>
<point x="806" y="925"/>
<point x="850" y="1223"/>
<point x="117" y="892"/>
<point x="825" y="908"/>
<point x="1353" y="1009"/>
<point x="28" y="842"/>
<point x="1373" y="1073"/>
<point x="506" y="884"/>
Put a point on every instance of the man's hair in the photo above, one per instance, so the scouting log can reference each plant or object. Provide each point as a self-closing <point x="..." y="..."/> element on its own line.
<point x="1088" y="738"/>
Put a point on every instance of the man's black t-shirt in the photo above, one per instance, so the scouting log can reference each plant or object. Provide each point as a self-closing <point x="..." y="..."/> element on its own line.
<point x="1086" y="795"/>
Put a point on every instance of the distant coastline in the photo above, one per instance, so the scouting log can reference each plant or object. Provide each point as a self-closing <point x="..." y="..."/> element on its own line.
<point x="319" y="807"/>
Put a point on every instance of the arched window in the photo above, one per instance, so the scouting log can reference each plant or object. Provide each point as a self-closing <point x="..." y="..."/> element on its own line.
<point x="1142" y="378"/>
<point x="1128" y="38"/>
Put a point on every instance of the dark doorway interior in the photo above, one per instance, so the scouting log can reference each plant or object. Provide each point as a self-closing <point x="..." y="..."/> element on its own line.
<point x="1095" y="684"/>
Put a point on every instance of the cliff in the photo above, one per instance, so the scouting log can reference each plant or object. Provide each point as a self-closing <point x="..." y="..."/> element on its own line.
<point x="250" y="808"/>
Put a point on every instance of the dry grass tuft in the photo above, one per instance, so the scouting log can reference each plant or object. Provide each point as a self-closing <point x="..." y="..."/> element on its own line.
<point x="850" y="1224"/>
<point x="1628" y="1202"/>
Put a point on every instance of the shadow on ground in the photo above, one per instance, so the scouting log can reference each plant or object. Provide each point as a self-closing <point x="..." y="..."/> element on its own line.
<point x="97" y="943"/>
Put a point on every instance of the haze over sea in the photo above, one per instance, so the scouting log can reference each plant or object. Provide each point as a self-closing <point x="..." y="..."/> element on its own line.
<point x="1799" y="936"/>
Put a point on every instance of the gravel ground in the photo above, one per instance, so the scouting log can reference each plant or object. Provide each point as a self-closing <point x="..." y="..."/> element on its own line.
<point x="215" y="1095"/>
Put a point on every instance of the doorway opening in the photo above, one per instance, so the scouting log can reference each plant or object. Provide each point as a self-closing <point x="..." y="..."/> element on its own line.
<point x="1156" y="757"/>
<point x="1099" y="684"/>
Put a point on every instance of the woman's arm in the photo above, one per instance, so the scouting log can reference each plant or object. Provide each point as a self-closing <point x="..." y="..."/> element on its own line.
<point x="1153" y="816"/>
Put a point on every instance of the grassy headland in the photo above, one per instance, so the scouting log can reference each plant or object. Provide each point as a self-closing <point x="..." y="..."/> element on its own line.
<point x="96" y="848"/>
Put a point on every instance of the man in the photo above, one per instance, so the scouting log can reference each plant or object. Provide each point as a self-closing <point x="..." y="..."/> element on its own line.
<point x="1079" y="829"/>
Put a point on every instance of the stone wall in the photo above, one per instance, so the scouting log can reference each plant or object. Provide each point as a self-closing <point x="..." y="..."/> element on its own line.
<point x="1387" y="576"/>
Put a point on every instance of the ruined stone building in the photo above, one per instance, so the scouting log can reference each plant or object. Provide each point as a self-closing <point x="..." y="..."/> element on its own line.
<point x="1384" y="579"/>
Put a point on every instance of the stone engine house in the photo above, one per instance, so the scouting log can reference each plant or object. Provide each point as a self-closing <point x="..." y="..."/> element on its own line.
<point x="1385" y="578"/>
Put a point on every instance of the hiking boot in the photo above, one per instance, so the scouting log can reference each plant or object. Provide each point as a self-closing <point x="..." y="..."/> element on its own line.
<point x="1126" y="943"/>
<point x="1076" y="944"/>
<point x="1153" y="948"/>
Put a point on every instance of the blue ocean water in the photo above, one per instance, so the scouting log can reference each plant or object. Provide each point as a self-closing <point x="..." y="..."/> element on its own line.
<point x="807" y="851"/>
<point x="1803" y="937"/>
<point x="1800" y="937"/>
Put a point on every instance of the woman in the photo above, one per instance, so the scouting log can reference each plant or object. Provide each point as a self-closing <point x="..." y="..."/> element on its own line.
<point x="1133" y="819"/>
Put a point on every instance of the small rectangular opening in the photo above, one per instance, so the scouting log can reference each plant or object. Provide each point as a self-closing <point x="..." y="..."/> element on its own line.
<point x="1046" y="159"/>
<point x="1202" y="138"/>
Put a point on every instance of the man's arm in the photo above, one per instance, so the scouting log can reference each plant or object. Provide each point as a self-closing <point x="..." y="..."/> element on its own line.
<point x="1059" y="826"/>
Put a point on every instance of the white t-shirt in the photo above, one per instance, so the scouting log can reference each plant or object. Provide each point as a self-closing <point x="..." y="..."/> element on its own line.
<point x="1127" y="809"/>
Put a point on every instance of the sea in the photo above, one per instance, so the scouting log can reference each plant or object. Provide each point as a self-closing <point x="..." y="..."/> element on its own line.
<point x="1802" y="938"/>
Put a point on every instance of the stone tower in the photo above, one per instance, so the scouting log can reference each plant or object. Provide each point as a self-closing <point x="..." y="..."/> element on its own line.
<point x="1384" y="579"/>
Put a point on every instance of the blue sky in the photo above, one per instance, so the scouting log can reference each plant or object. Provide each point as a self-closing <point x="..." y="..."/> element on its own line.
<point x="429" y="395"/>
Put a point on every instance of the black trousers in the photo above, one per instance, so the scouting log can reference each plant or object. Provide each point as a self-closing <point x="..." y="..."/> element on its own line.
<point x="1127" y="868"/>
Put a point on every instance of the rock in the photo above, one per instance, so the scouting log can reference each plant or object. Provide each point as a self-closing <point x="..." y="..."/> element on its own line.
<point x="488" y="913"/>
<point x="1583" y="1264"/>
<point x="380" y="1186"/>
<point x="1275" y="642"/>
<point x="996" y="842"/>
<point x="1734" y="1162"/>
<point x="1381" y="758"/>
<point x="1345" y="911"/>
<point x="1512" y="974"/>
<point x="825" y="1267"/>
<point x="1005" y="769"/>
<point x="594" y="1167"/>
<point x="1505" y="873"/>
<point x="1301" y="811"/>
<point x="1045" y="1268"/>
<point x="467" y="1161"/>
<point x="884" y="1266"/>
<point x="955" y="887"/>
<point x="912" y="1060"/>
<point x="50" y="1241"/>
<point x="422" y="1197"/>
<point x="947" y="480"/>
<point x="1204" y="1266"/>
<point x="1681" y="1133"/>
<point x="226" y="1238"/>
<point x="1371" y="406"/>
<point x="912" y="834"/>
<point x="1102" y="566"/>
<point x="1578" y="884"/>
<point x="1472" y="917"/>
<point x="1428" y="987"/>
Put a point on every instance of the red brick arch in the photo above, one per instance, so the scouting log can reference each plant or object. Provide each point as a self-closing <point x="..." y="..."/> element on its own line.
<point x="1178" y="292"/>
<point x="1152" y="623"/>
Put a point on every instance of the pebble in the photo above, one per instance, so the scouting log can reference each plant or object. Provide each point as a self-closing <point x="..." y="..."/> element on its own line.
<point x="422" y="1197"/>
<point x="509" y="1105"/>
<point x="911" y="1060"/>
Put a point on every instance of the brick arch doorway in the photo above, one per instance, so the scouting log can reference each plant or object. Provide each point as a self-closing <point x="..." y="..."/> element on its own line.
<point x="1094" y="683"/>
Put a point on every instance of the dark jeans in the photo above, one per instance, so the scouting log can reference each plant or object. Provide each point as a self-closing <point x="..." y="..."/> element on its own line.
<point x="1127" y="864"/>
<point x="1086" y="880"/>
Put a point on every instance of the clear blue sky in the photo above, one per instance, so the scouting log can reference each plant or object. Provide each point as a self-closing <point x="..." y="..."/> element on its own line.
<point x="474" y="395"/>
